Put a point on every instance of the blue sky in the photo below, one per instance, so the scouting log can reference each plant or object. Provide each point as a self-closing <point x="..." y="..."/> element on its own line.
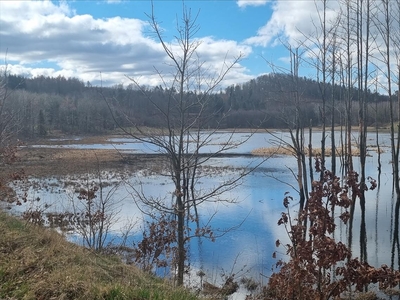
<point x="84" y="39"/>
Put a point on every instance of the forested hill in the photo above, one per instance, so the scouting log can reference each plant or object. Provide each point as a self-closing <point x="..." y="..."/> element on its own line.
<point x="45" y="104"/>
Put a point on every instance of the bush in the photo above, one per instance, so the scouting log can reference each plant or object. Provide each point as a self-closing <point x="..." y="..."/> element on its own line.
<point x="320" y="267"/>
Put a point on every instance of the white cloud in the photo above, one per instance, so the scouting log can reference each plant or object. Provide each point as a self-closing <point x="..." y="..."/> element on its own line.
<point x="221" y="51"/>
<point x="43" y="33"/>
<point x="244" y="3"/>
<point x="299" y="23"/>
<point x="291" y="21"/>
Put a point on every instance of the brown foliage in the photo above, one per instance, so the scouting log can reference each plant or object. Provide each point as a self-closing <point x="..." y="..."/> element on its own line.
<point x="319" y="267"/>
<point x="158" y="246"/>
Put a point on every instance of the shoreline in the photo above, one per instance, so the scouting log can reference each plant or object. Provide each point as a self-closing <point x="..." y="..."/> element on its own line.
<point x="44" y="161"/>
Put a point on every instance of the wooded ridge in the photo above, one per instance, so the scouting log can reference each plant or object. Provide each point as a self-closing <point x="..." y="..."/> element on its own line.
<point x="47" y="104"/>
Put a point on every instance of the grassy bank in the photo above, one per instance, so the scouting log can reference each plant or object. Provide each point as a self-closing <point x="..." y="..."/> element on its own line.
<point x="38" y="263"/>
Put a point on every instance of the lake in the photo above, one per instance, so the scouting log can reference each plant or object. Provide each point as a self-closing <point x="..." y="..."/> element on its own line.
<point x="246" y="250"/>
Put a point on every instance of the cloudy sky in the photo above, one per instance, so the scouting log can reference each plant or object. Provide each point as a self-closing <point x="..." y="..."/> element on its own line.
<point x="110" y="40"/>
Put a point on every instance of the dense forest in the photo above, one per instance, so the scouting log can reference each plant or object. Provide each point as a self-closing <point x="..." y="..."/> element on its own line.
<point x="43" y="105"/>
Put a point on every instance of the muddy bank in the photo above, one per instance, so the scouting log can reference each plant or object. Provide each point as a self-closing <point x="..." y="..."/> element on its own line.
<point x="38" y="160"/>
<point x="42" y="161"/>
<point x="52" y="161"/>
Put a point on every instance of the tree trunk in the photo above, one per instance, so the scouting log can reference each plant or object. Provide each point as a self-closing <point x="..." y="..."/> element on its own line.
<point x="181" y="240"/>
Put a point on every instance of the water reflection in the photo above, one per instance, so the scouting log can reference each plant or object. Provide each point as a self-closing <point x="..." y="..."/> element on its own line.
<point x="259" y="203"/>
<point x="395" y="262"/>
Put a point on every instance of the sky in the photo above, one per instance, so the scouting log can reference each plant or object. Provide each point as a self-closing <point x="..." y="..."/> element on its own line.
<point x="109" y="42"/>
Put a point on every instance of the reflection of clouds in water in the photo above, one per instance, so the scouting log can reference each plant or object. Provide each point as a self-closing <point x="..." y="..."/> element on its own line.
<point x="252" y="141"/>
<point x="259" y="204"/>
<point x="379" y="227"/>
<point x="222" y="253"/>
<point x="254" y="241"/>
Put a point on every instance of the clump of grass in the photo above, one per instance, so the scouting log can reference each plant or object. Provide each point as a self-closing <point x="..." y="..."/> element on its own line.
<point x="272" y="151"/>
<point x="38" y="263"/>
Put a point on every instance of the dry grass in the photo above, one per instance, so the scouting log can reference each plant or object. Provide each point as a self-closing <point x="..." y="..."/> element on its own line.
<point x="63" y="161"/>
<point x="38" y="263"/>
<point x="271" y="151"/>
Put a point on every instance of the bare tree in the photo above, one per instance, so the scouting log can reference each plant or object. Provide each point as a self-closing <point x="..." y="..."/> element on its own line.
<point x="389" y="27"/>
<point x="320" y="46"/>
<point x="364" y="38"/>
<point x="8" y="122"/>
<point x="98" y="210"/>
<point x="346" y="66"/>
<point x="320" y="54"/>
<point x="333" y="51"/>
<point x="94" y="209"/>
<point x="292" y="118"/>
<point x="182" y="139"/>
<point x="8" y="140"/>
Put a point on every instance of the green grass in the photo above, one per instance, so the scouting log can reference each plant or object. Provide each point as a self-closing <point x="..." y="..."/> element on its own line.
<point x="38" y="263"/>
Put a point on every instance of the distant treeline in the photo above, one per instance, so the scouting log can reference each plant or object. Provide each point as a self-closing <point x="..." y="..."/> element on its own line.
<point x="42" y="105"/>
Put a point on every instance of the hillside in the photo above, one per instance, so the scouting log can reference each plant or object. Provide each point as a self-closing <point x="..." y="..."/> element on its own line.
<point x="43" y="105"/>
<point x="38" y="263"/>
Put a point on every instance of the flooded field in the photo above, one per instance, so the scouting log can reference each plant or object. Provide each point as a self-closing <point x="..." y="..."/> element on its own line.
<point x="246" y="229"/>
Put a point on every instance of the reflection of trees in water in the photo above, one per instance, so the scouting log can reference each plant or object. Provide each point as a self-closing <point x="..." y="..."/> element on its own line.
<point x="395" y="240"/>
<point x="363" y="232"/>
<point x="394" y="228"/>
<point x="358" y="191"/>
<point x="376" y="220"/>
<point x="351" y="219"/>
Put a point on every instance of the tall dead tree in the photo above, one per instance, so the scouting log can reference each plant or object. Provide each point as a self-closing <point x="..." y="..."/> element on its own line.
<point x="323" y="71"/>
<point x="182" y="139"/>
<point x="363" y="50"/>
<point x="8" y="121"/>
<point x="388" y="26"/>
<point x="297" y="131"/>
<point x="347" y="63"/>
<point x="320" y="46"/>
<point x="292" y="116"/>
<point x="333" y="100"/>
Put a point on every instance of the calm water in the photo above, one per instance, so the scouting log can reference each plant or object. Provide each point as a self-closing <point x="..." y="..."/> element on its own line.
<point x="249" y="248"/>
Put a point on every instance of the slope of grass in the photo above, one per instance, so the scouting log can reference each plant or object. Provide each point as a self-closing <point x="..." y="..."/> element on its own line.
<point x="38" y="263"/>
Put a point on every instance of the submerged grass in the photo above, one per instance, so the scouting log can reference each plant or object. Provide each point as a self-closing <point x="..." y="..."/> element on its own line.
<point x="38" y="263"/>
